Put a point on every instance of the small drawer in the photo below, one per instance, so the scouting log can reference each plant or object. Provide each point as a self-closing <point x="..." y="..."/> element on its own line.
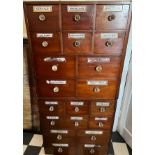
<point x="77" y="17"/>
<point x="56" y="88"/>
<point x="77" y="108"/>
<point x="99" y="67"/>
<point x="46" y="43"/>
<point x="111" y="16"/>
<point x="43" y="17"/>
<point x="50" y="107"/>
<point x="100" y="108"/>
<point x="97" y="88"/>
<point x="100" y="122"/>
<point x="77" y="43"/>
<point x="93" y="136"/>
<point x="109" y="43"/>
<point x="55" y="67"/>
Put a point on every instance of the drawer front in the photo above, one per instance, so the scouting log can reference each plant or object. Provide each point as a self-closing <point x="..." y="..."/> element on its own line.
<point x="43" y="17"/>
<point x="77" y="17"/>
<point x="56" y="88"/>
<point x="77" y="43"/>
<point x="97" y="88"/>
<point x="77" y="108"/>
<point x="46" y="43"/>
<point x="110" y="43"/>
<point x="100" y="122"/>
<point x="49" y="107"/>
<point x="55" y="67"/>
<point x="102" y="108"/>
<point x="99" y="67"/>
<point x="111" y="16"/>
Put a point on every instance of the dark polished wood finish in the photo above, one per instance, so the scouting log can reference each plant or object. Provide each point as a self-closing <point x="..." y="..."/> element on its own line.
<point x="77" y="71"/>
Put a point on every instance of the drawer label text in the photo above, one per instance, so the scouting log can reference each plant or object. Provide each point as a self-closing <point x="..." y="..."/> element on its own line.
<point x="49" y="59"/>
<point x="42" y="8"/>
<point x="101" y="60"/>
<point x="52" y="117"/>
<point x="76" y="8"/>
<point x="59" y="131"/>
<point x="51" y="102"/>
<point x="76" y="118"/>
<point x="77" y="103"/>
<point x="109" y="35"/>
<point x="106" y="104"/>
<point x="94" y="132"/>
<point x="103" y="82"/>
<point x="55" y="82"/>
<point x="115" y="8"/>
<point x="101" y="118"/>
<point x="44" y="35"/>
<point x="76" y="35"/>
<point x="60" y="145"/>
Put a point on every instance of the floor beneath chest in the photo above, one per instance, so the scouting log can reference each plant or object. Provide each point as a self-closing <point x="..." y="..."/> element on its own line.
<point x="32" y="145"/>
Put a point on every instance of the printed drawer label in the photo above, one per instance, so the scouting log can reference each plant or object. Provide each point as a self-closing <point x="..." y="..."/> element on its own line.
<point x="59" y="131"/>
<point x="42" y="8"/>
<point x="76" y="103"/>
<point x="101" y="60"/>
<point x="115" y="8"/>
<point x="60" y="145"/>
<point x="101" y="118"/>
<point x="101" y="83"/>
<point x="51" y="102"/>
<point x="109" y="35"/>
<point x="55" y="82"/>
<point x="106" y="104"/>
<point x="76" y="118"/>
<point x="94" y="132"/>
<point x="52" y="117"/>
<point x="77" y="8"/>
<point x="89" y="145"/>
<point x="44" y="35"/>
<point x="76" y="35"/>
<point x="49" y="59"/>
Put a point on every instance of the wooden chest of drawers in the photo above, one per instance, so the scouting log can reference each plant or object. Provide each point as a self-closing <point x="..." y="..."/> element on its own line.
<point x="77" y="52"/>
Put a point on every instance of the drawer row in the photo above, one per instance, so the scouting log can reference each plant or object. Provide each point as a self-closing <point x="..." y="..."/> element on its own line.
<point x="107" y="42"/>
<point x="81" y="17"/>
<point x="80" y="88"/>
<point x="64" y="108"/>
<point x="86" y="66"/>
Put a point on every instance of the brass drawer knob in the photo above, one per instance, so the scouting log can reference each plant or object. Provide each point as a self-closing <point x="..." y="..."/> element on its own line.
<point x="76" y="124"/>
<point x="98" y="68"/>
<point x="108" y="43"/>
<point x="42" y="17"/>
<point x="56" y="89"/>
<point x="93" y="138"/>
<point x="111" y="17"/>
<point x="76" y="44"/>
<point x="92" y="151"/>
<point x="100" y="124"/>
<point x="102" y="109"/>
<point x="96" y="90"/>
<point x="59" y="137"/>
<point x="44" y="43"/>
<point x="77" y="18"/>
<point x="76" y="109"/>
<point x="60" y="150"/>
<point x="52" y="123"/>
<point x="51" y="108"/>
<point x="54" y="68"/>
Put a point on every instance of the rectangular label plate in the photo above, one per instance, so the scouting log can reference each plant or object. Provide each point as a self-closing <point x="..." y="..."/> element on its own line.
<point x="76" y="35"/>
<point x="55" y="82"/>
<point x="76" y="103"/>
<point x="94" y="132"/>
<point x="113" y="8"/>
<point x="100" y="60"/>
<point x="51" y="102"/>
<point x="109" y="35"/>
<point x="59" y="131"/>
<point x="49" y="59"/>
<point x="44" y="35"/>
<point x="100" y="83"/>
<point x="76" y="118"/>
<point x="106" y="104"/>
<point x="101" y="118"/>
<point x="42" y="8"/>
<point x="60" y="145"/>
<point x="77" y="8"/>
<point x="52" y="117"/>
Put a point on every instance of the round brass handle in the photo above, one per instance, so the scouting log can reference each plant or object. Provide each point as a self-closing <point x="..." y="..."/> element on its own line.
<point x="59" y="137"/>
<point x="77" y="18"/>
<point x="51" y="108"/>
<point x="44" y="43"/>
<point x="96" y="90"/>
<point x="76" y="109"/>
<point x="102" y="109"/>
<point x="100" y="124"/>
<point x="98" y="68"/>
<point x="111" y="17"/>
<point x="52" y="123"/>
<point x="76" y="43"/>
<point x="42" y="17"/>
<point x="56" y="89"/>
<point x="54" y="68"/>
<point x="76" y="124"/>
<point x="93" y="138"/>
<point x="60" y="150"/>
<point x="108" y="43"/>
<point x="92" y="151"/>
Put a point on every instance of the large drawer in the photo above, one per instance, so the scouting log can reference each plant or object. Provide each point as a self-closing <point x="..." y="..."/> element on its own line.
<point x="99" y="67"/>
<point x="77" y="43"/>
<point x="56" y="88"/>
<point x="111" y="16"/>
<point x="77" y="17"/>
<point x="109" y="42"/>
<point x="55" y="67"/>
<point x="43" y="17"/>
<point x="105" y="89"/>
<point x="46" y="43"/>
